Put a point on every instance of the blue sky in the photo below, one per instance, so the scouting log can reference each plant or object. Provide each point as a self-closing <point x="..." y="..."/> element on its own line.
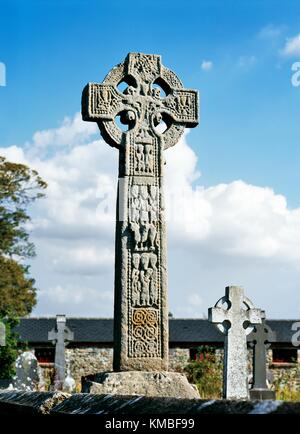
<point x="249" y="115"/>
<point x="250" y="111"/>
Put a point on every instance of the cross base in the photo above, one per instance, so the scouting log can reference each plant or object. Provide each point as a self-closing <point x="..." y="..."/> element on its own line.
<point x="262" y="394"/>
<point x="163" y="383"/>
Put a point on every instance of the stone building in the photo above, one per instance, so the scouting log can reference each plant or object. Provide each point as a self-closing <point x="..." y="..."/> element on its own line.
<point x="91" y="350"/>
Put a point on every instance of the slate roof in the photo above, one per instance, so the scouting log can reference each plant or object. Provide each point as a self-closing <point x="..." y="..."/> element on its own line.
<point x="100" y="330"/>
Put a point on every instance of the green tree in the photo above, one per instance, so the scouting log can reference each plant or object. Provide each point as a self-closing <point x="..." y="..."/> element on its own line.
<point x="9" y="352"/>
<point x="17" y="291"/>
<point x="19" y="187"/>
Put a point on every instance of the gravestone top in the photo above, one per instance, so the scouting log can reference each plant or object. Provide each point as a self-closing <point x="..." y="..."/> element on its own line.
<point x="27" y="372"/>
<point x="153" y="96"/>
<point x="262" y="334"/>
<point x="235" y="315"/>
<point x="61" y="333"/>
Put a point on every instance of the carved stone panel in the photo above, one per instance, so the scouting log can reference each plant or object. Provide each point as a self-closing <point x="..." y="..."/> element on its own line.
<point x="144" y="337"/>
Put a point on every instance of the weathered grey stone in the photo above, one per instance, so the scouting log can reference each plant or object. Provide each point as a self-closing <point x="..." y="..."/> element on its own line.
<point x="141" y="308"/>
<point x="233" y="315"/>
<point x="16" y="402"/>
<point x="131" y="383"/>
<point x="178" y="359"/>
<point x="85" y="361"/>
<point x="2" y="334"/>
<point x="52" y="401"/>
<point x="60" y="337"/>
<point x="260" y="340"/>
<point x="13" y="403"/>
<point x="27" y="372"/>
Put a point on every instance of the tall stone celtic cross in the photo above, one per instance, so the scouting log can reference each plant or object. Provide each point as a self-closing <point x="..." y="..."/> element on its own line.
<point x="60" y="337"/>
<point x="141" y="309"/>
<point x="260" y="339"/>
<point x="235" y="322"/>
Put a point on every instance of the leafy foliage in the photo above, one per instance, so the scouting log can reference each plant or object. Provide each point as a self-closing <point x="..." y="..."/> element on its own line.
<point x="9" y="352"/>
<point x="206" y="372"/>
<point x="287" y="384"/>
<point x="17" y="291"/>
<point x="19" y="186"/>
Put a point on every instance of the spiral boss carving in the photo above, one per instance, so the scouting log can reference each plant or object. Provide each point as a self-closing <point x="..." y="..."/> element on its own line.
<point x="141" y="311"/>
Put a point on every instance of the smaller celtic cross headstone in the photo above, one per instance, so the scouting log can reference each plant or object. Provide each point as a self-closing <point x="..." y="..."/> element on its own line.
<point x="60" y="337"/>
<point x="260" y="340"/>
<point x="234" y="314"/>
<point x="2" y="334"/>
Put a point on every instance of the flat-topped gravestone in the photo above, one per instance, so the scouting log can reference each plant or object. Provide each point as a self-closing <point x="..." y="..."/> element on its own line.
<point x="260" y="339"/>
<point x="27" y="372"/>
<point x="60" y="337"/>
<point x="234" y="314"/>
<point x="153" y="94"/>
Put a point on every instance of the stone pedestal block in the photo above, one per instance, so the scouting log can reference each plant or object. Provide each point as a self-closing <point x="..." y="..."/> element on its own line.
<point x="164" y="384"/>
<point x="261" y="394"/>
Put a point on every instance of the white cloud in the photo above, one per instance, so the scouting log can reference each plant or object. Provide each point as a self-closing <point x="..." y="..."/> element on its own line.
<point x="74" y="299"/>
<point x="206" y="65"/>
<point x="223" y="234"/>
<point x="270" y="31"/>
<point x="73" y="131"/>
<point x="247" y="62"/>
<point x="194" y="299"/>
<point x="84" y="260"/>
<point x="235" y="219"/>
<point x="292" y="46"/>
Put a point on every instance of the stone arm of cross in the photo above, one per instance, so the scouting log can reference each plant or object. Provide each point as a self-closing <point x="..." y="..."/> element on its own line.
<point x="52" y="336"/>
<point x="272" y="336"/>
<point x="217" y="315"/>
<point x="103" y="102"/>
<point x="69" y="335"/>
<point x="254" y="316"/>
<point x="267" y="336"/>
<point x="182" y="106"/>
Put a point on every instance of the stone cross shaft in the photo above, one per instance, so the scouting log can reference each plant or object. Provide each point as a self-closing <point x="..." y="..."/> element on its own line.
<point x="260" y="340"/>
<point x="234" y="322"/>
<point x="60" y="337"/>
<point x="141" y="309"/>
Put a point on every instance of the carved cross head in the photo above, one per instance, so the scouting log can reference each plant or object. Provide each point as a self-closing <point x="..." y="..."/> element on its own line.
<point x="61" y="333"/>
<point x="153" y="95"/>
<point x="262" y="335"/>
<point x="234" y="310"/>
